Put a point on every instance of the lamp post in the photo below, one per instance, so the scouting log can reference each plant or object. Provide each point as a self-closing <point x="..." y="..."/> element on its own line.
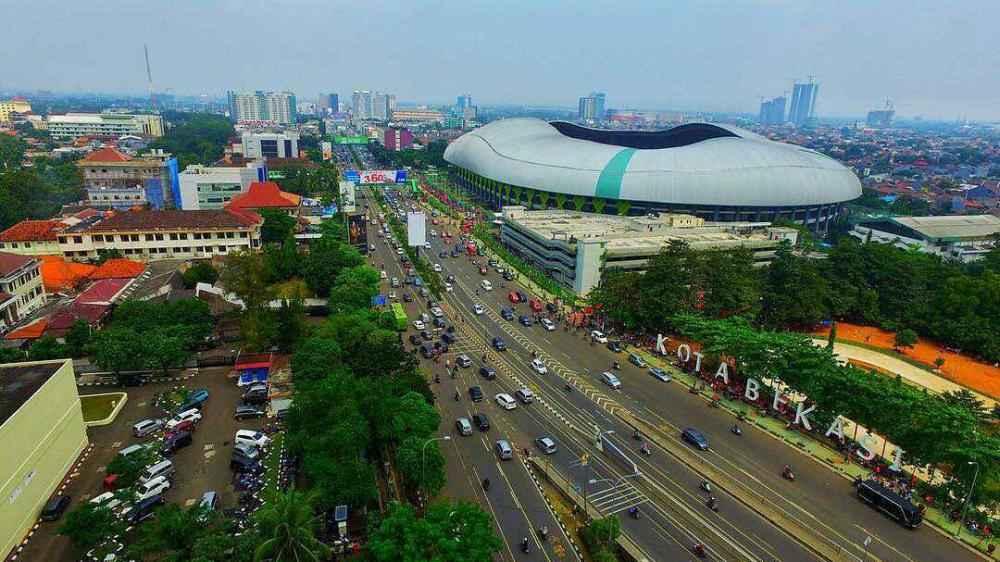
<point x="965" y="504"/>
<point x="423" y="455"/>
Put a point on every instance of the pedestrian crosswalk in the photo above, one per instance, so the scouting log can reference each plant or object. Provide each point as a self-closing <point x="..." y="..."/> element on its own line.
<point x="616" y="498"/>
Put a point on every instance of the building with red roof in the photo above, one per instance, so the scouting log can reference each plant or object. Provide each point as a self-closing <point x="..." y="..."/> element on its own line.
<point x="59" y="275"/>
<point x="266" y="195"/>
<point x="32" y="238"/>
<point x="118" y="268"/>
<point x="104" y="291"/>
<point x="21" y="290"/>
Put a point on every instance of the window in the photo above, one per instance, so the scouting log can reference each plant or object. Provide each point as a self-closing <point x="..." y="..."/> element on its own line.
<point x="222" y="249"/>
<point x="159" y="237"/>
<point x="98" y="238"/>
<point x="63" y="239"/>
<point x="13" y="244"/>
<point x="78" y="239"/>
<point x="197" y="236"/>
<point x="123" y="237"/>
<point x="135" y="237"/>
<point x="149" y="237"/>
<point x="173" y="236"/>
<point x="184" y="236"/>
<point x="243" y="235"/>
<point x="230" y="235"/>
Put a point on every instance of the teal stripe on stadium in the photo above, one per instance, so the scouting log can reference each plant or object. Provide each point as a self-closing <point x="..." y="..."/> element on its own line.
<point x="609" y="184"/>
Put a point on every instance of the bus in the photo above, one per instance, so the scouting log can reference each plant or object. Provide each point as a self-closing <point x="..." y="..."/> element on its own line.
<point x="401" y="319"/>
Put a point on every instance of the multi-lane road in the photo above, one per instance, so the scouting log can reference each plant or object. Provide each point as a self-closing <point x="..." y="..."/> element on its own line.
<point x="761" y="516"/>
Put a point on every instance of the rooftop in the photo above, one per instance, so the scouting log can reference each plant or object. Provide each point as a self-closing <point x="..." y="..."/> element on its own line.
<point x="175" y="220"/>
<point x="953" y="226"/>
<point x="19" y="381"/>
<point x="118" y="268"/>
<point x="108" y="154"/>
<point x="10" y="263"/>
<point x="32" y="231"/>
<point x="264" y="195"/>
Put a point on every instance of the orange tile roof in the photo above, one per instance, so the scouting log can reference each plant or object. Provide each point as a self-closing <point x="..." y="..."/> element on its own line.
<point x="32" y="231"/>
<point x="263" y="195"/>
<point x="118" y="268"/>
<point x="32" y="331"/>
<point x="107" y="154"/>
<point x="60" y="275"/>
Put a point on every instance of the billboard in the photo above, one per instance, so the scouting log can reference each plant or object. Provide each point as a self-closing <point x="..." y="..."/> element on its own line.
<point x="416" y="230"/>
<point x="357" y="232"/>
<point x="357" y="139"/>
<point x="382" y="176"/>
<point x="352" y="175"/>
<point x="327" y="149"/>
<point x="347" y="196"/>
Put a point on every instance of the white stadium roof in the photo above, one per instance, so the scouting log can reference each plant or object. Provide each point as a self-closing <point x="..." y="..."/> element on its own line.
<point x="698" y="164"/>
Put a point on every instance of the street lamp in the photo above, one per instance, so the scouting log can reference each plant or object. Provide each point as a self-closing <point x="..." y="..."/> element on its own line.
<point x="423" y="456"/>
<point x="965" y="504"/>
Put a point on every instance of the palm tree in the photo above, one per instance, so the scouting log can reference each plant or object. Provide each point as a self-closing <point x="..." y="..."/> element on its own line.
<point x="578" y="202"/>
<point x="560" y="201"/>
<point x="288" y="524"/>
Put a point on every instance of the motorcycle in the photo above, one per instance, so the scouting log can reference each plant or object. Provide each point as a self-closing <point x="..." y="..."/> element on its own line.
<point x="568" y="387"/>
<point x="486" y="485"/>
<point x="524" y="545"/>
<point x="736" y="430"/>
<point x="543" y="533"/>
<point x="458" y="396"/>
<point x="617" y="366"/>
<point x="787" y="474"/>
<point x="636" y="435"/>
<point x="712" y="504"/>
<point x="633" y="512"/>
<point x="706" y="486"/>
<point x="699" y="550"/>
<point x="644" y="449"/>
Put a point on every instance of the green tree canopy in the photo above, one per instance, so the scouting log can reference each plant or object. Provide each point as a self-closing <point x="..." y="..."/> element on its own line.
<point x="459" y="532"/>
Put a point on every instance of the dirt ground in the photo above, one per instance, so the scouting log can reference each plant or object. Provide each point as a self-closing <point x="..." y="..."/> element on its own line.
<point x="959" y="368"/>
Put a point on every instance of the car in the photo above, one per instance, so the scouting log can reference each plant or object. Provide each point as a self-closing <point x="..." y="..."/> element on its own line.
<point x="256" y="438"/>
<point x="196" y="399"/>
<point x="634" y="359"/>
<point x="247" y="411"/>
<point x="478" y="309"/>
<point x="442" y="254"/>
<point x="424" y="291"/>
<point x="615" y="346"/>
<point x="154" y="487"/>
<point x="506" y="313"/>
<point x="695" y="437"/>
<point x="427" y="245"/>
<point x="242" y="464"/>
<point x="147" y="427"/>
<point x="407" y="297"/>
<point x="508" y="275"/>
<point x="448" y="287"/>
<point x="523" y="297"/>
<point x="611" y="380"/>
<point x="525" y="395"/>
<point x="415" y="339"/>
<point x="256" y="395"/>
<point x="247" y="451"/>
<point x="486" y="285"/>
<point x="392" y="295"/>
<point x="174" y="441"/>
<point x="513" y="298"/>
<point x="492" y="262"/>
<point x="499" y="344"/>
<point x="54" y="508"/>
<point x="419" y="325"/>
<point x="437" y="267"/>
<point x="505" y="401"/>
<point x="488" y="373"/>
<point x="481" y="422"/>
<point x="547" y="324"/>
<point x="598" y="336"/>
<point x="108" y="500"/>
<point x="192" y="415"/>
<point x="450" y="279"/>
<point x="464" y="426"/>
<point x="142" y="510"/>
<point x="399" y="251"/>
<point x="659" y="374"/>
<point x="394" y="283"/>
<point x="551" y="307"/>
<point x="209" y="502"/>
<point x="436" y="312"/>
<point x="476" y="393"/>
<point x="525" y="320"/>
<point x="463" y="361"/>
<point x="546" y="445"/>
<point x="448" y="337"/>
<point x="539" y="366"/>
<point x="503" y="449"/>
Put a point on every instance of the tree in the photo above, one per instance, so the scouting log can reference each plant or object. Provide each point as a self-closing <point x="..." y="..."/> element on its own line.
<point x="795" y="294"/>
<point x="12" y="150"/>
<point x="45" y="348"/>
<point x="938" y="363"/>
<point x="201" y="272"/>
<point x="167" y="348"/>
<point x="288" y="528"/>
<point x="448" y="532"/>
<point x="290" y="321"/>
<point x="129" y="468"/>
<point x="282" y="260"/>
<point x="11" y="355"/>
<point x="78" y="338"/>
<point x="600" y="535"/>
<point x="173" y="533"/>
<point x="326" y="258"/>
<point x="831" y="338"/>
<point x="195" y="138"/>
<point x="118" y="350"/>
<point x="421" y="464"/>
<point x="315" y="358"/>
<point x="246" y="276"/>
<point x="904" y="338"/>
<point x="89" y="525"/>
<point x="278" y="226"/>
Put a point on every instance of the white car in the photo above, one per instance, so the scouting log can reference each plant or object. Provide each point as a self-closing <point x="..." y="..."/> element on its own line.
<point x="419" y="324"/>
<point x="399" y="251"/>
<point x="599" y="336"/>
<point x="437" y="267"/>
<point x="506" y="401"/>
<point x="539" y="367"/>
<point x="192" y="415"/>
<point x="447" y="287"/>
<point x="108" y="500"/>
<point x="392" y="295"/>
<point x="252" y="437"/>
<point x="478" y="309"/>
<point x="436" y="312"/>
<point x="611" y="380"/>
<point x="548" y="324"/>
<point x="152" y="487"/>
<point x="427" y="245"/>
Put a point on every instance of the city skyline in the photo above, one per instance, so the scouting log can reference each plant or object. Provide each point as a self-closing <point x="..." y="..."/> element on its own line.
<point x="697" y="57"/>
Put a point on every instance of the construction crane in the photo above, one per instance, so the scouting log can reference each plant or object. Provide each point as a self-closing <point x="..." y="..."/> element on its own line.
<point x="149" y="77"/>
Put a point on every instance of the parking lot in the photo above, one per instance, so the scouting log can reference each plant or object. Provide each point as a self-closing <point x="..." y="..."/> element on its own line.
<point x="202" y="466"/>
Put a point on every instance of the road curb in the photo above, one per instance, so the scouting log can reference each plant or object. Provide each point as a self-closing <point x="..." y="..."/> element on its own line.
<point x="534" y="478"/>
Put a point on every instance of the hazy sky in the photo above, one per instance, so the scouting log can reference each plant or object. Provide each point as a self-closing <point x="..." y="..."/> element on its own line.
<point x="932" y="58"/>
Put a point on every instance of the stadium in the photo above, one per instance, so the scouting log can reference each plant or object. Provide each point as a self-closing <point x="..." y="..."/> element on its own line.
<point x="716" y="172"/>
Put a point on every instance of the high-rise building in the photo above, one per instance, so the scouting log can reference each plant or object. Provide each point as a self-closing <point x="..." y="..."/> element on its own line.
<point x="803" y="103"/>
<point x="772" y="112"/>
<point x="333" y="102"/>
<point x="397" y="139"/>
<point x="588" y="109"/>
<point x="264" y="145"/>
<point x="380" y="106"/>
<point x="361" y="104"/>
<point x="600" y="112"/>
<point x="276" y="107"/>
<point x="462" y="102"/>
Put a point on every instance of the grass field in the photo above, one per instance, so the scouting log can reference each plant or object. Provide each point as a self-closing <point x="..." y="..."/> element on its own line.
<point x="99" y="406"/>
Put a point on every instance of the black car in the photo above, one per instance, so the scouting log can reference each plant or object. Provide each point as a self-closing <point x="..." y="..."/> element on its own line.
<point x="143" y="509"/>
<point x="54" y="508"/>
<point x="488" y="373"/>
<point x="448" y="337"/>
<point x="521" y="297"/>
<point x="175" y="441"/>
<point x="439" y="323"/>
<point x="255" y="397"/>
<point x="508" y="275"/>
<point x="407" y="297"/>
<point x="476" y="393"/>
<point x="525" y="320"/>
<point x="426" y="335"/>
<point x="442" y="254"/>
<point x="415" y="339"/>
<point x="615" y="346"/>
<point x="499" y="344"/>
<point x="551" y="307"/>
<point x="695" y="437"/>
<point x="240" y="463"/>
<point x="506" y="314"/>
<point x="481" y="421"/>
<point x="245" y="411"/>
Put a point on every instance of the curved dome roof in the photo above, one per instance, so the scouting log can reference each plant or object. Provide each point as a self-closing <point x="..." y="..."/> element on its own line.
<point x="694" y="164"/>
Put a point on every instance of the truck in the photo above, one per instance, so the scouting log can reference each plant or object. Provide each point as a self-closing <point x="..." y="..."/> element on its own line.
<point x="402" y="321"/>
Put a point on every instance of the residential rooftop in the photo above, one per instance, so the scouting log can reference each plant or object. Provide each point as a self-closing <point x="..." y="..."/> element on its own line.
<point x="952" y="227"/>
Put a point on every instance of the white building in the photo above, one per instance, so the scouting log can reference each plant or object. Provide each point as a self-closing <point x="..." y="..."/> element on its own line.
<point x="265" y="145"/>
<point x="21" y="289"/>
<point x="275" y="107"/>
<point x="104" y="125"/>
<point x="204" y="187"/>
<point x="964" y="238"/>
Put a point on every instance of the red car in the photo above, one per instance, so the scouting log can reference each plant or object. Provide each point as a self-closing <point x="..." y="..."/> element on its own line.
<point x="186" y="425"/>
<point x="512" y="297"/>
<point x="482" y="269"/>
<point x="536" y="305"/>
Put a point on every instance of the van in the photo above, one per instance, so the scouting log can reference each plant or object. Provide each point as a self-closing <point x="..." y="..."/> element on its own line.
<point x="486" y="285"/>
<point x="132" y="449"/>
<point x="174" y="441"/>
<point x="142" y="510"/>
<point x="464" y="426"/>
<point x="890" y="503"/>
<point x="209" y="502"/>
<point x="525" y="395"/>
<point x="611" y="380"/>
<point x="503" y="450"/>
<point x="147" y="427"/>
<point x="163" y="468"/>
<point x="505" y="401"/>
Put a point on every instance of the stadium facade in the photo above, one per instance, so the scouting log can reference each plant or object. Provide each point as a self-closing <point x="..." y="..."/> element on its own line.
<point x="716" y="172"/>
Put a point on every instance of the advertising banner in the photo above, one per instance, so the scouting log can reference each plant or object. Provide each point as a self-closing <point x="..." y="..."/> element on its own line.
<point x="347" y="196"/>
<point x="416" y="229"/>
<point x="352" y="175"/>
<point x="357" y="139"/>
<point x="357" y="232"/>
<point x="327" y="148"/>
<point x="382" y="176"/>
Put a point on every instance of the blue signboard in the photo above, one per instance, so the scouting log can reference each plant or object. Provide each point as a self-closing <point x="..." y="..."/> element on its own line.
<point x="352" y="175"/>
<point x="379" y="300"/>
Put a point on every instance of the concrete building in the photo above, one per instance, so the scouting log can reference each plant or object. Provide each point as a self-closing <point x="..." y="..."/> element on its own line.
<point x="880" y="118"/>
<point x="21" y="289"/>
<point x="115" y="180"/>
<point x="463" y="101"/>
<point x="397" y="139"/>
<point x="264" y="145"/>
<point x="803" y="106"/>
<point x="43" y="433"/>
<point x="204" y="187"/>
<point x="600" y="111"/>
<point x="361" y="105"/>
<point x="575" y="248"/>
<point x="772" y="112"/>
<point x="32" y="238"/>
<point x="104" y="125"/>
<point x="964" y="238"/>
<point x="269" y="107"/>
<point x="9" y="107"/>
<point x="415" y="115"/>
<point x="153" y="235"/>
<point x="587" y="111"/>
<point x="380" y="107"/>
